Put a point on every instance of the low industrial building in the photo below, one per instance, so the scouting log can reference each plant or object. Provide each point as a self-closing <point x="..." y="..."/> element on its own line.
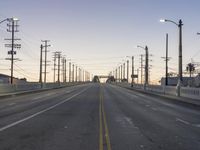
<point x="187" y="81"/>
<point x="5" y="79"/>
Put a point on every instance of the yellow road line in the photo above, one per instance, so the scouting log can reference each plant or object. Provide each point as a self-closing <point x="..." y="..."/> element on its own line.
<point x="100" y="124"/>
<point x="102" y="113"/>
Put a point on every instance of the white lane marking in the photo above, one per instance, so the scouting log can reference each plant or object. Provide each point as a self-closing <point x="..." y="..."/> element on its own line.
<point x="11" y="104"/>
<point x="40" y="112"/>
<point x="42" y="96"/>
<point x="188" y="123"/>
<point x="49" y="94"/>
<point x="196" y="125"/>
<point x="153" y="108"/>
<point x="182" y="121"/>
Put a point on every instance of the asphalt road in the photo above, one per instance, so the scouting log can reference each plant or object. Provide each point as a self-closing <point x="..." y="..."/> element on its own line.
<point x="97" y="117"/>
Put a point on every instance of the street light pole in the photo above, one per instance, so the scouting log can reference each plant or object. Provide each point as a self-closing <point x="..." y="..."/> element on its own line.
<point x="180" y="51"/>
<point x="180" y="76"/>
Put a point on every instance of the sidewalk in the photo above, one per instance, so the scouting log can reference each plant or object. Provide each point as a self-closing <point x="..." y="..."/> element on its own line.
<point x="171" y="97"/>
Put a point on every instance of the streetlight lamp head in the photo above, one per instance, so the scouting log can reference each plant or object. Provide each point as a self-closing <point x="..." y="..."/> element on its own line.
<point x="15" y="19"/>
<point x="162" y="20"/>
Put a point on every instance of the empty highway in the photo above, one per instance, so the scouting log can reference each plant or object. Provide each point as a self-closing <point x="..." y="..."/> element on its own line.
<point x="97" y="117"/>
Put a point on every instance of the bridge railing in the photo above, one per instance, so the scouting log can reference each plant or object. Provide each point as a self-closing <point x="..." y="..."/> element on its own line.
<point x="8" y="88"/>
<point x="187" y="92"/>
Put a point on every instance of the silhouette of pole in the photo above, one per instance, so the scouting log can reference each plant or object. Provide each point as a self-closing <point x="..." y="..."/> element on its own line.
<point x="70" y="72"/>
<point x="45" y="59"/>
<point x="40" y="77"/>
<point x="12" y="51"/>
<point x="73" y="73"/>
<point x="121" y="73"/>
<point x="132" y="76"/>
<point x="59" y="55"/>
<point x="166" y="69"/>
<point x="76" y="74"/>
<point x="146" y="66"/>
<point x="127" y="70"/>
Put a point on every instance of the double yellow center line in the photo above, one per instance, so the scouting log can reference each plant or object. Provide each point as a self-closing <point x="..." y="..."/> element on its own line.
<point x="103" y="128"/>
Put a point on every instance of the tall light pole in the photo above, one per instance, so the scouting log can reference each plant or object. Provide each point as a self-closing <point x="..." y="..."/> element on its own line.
<point x="146" y="64"/>
<point x="180" y="77"/>
<point x="127" y="70"/>
<point x="132" y="75"/>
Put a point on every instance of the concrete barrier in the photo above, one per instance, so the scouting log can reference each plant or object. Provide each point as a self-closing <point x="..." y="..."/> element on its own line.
<point x="190" y="92"/>
<point x="187" y="92"/>
<point x="8" y="88"/>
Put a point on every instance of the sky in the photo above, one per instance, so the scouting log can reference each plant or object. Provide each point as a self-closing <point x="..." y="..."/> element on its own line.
<point x="97" y="35"/>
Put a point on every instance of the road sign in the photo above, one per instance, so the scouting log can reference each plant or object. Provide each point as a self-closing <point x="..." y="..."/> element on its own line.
<point x="10" y="52"/>
<point x="134" y="76"/>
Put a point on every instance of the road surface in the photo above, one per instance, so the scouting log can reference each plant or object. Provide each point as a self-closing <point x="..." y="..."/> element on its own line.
<point x="97" y="117"/>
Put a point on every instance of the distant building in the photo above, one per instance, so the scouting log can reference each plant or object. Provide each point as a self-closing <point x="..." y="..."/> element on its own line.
<point x="197" y="81"/>
<point x="5" y="79"/>
<point x="172" y="81"/>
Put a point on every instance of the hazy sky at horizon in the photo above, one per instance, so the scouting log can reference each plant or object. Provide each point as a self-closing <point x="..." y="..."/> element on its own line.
<point x="98" y="35"/>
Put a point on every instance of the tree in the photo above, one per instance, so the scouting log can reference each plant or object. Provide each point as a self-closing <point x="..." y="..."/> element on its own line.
<point x="190" y="68"/>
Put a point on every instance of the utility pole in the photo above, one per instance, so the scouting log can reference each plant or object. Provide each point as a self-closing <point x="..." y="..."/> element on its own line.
<point x="116" y="74"/>
<point x="70" y="71"/>
<point x="83" y="76"/>
<point x="45" y="58"/>
<point x="138" y="76"/>
<point x="12" y="27"/>
<point x="124" y="71"/>
<point x="146" y="66"/>
<point x="63" y="69"/>
<point x="59" y="56"/>
<point x="73" y="73"/>
<point x="54" y="67"/>
<point x="65" y="74"/>
<point x="79" y="75"/>
<point x="40" y="77"/>
<point x="132" y="76"/>
<point x="166" y="69"/>
<point x="141" y="74"/>
<point x="127" y="70"/>
<point x="166" y="58"/>
<point x="121" y="73"/>
<point x="76" y="73"/>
